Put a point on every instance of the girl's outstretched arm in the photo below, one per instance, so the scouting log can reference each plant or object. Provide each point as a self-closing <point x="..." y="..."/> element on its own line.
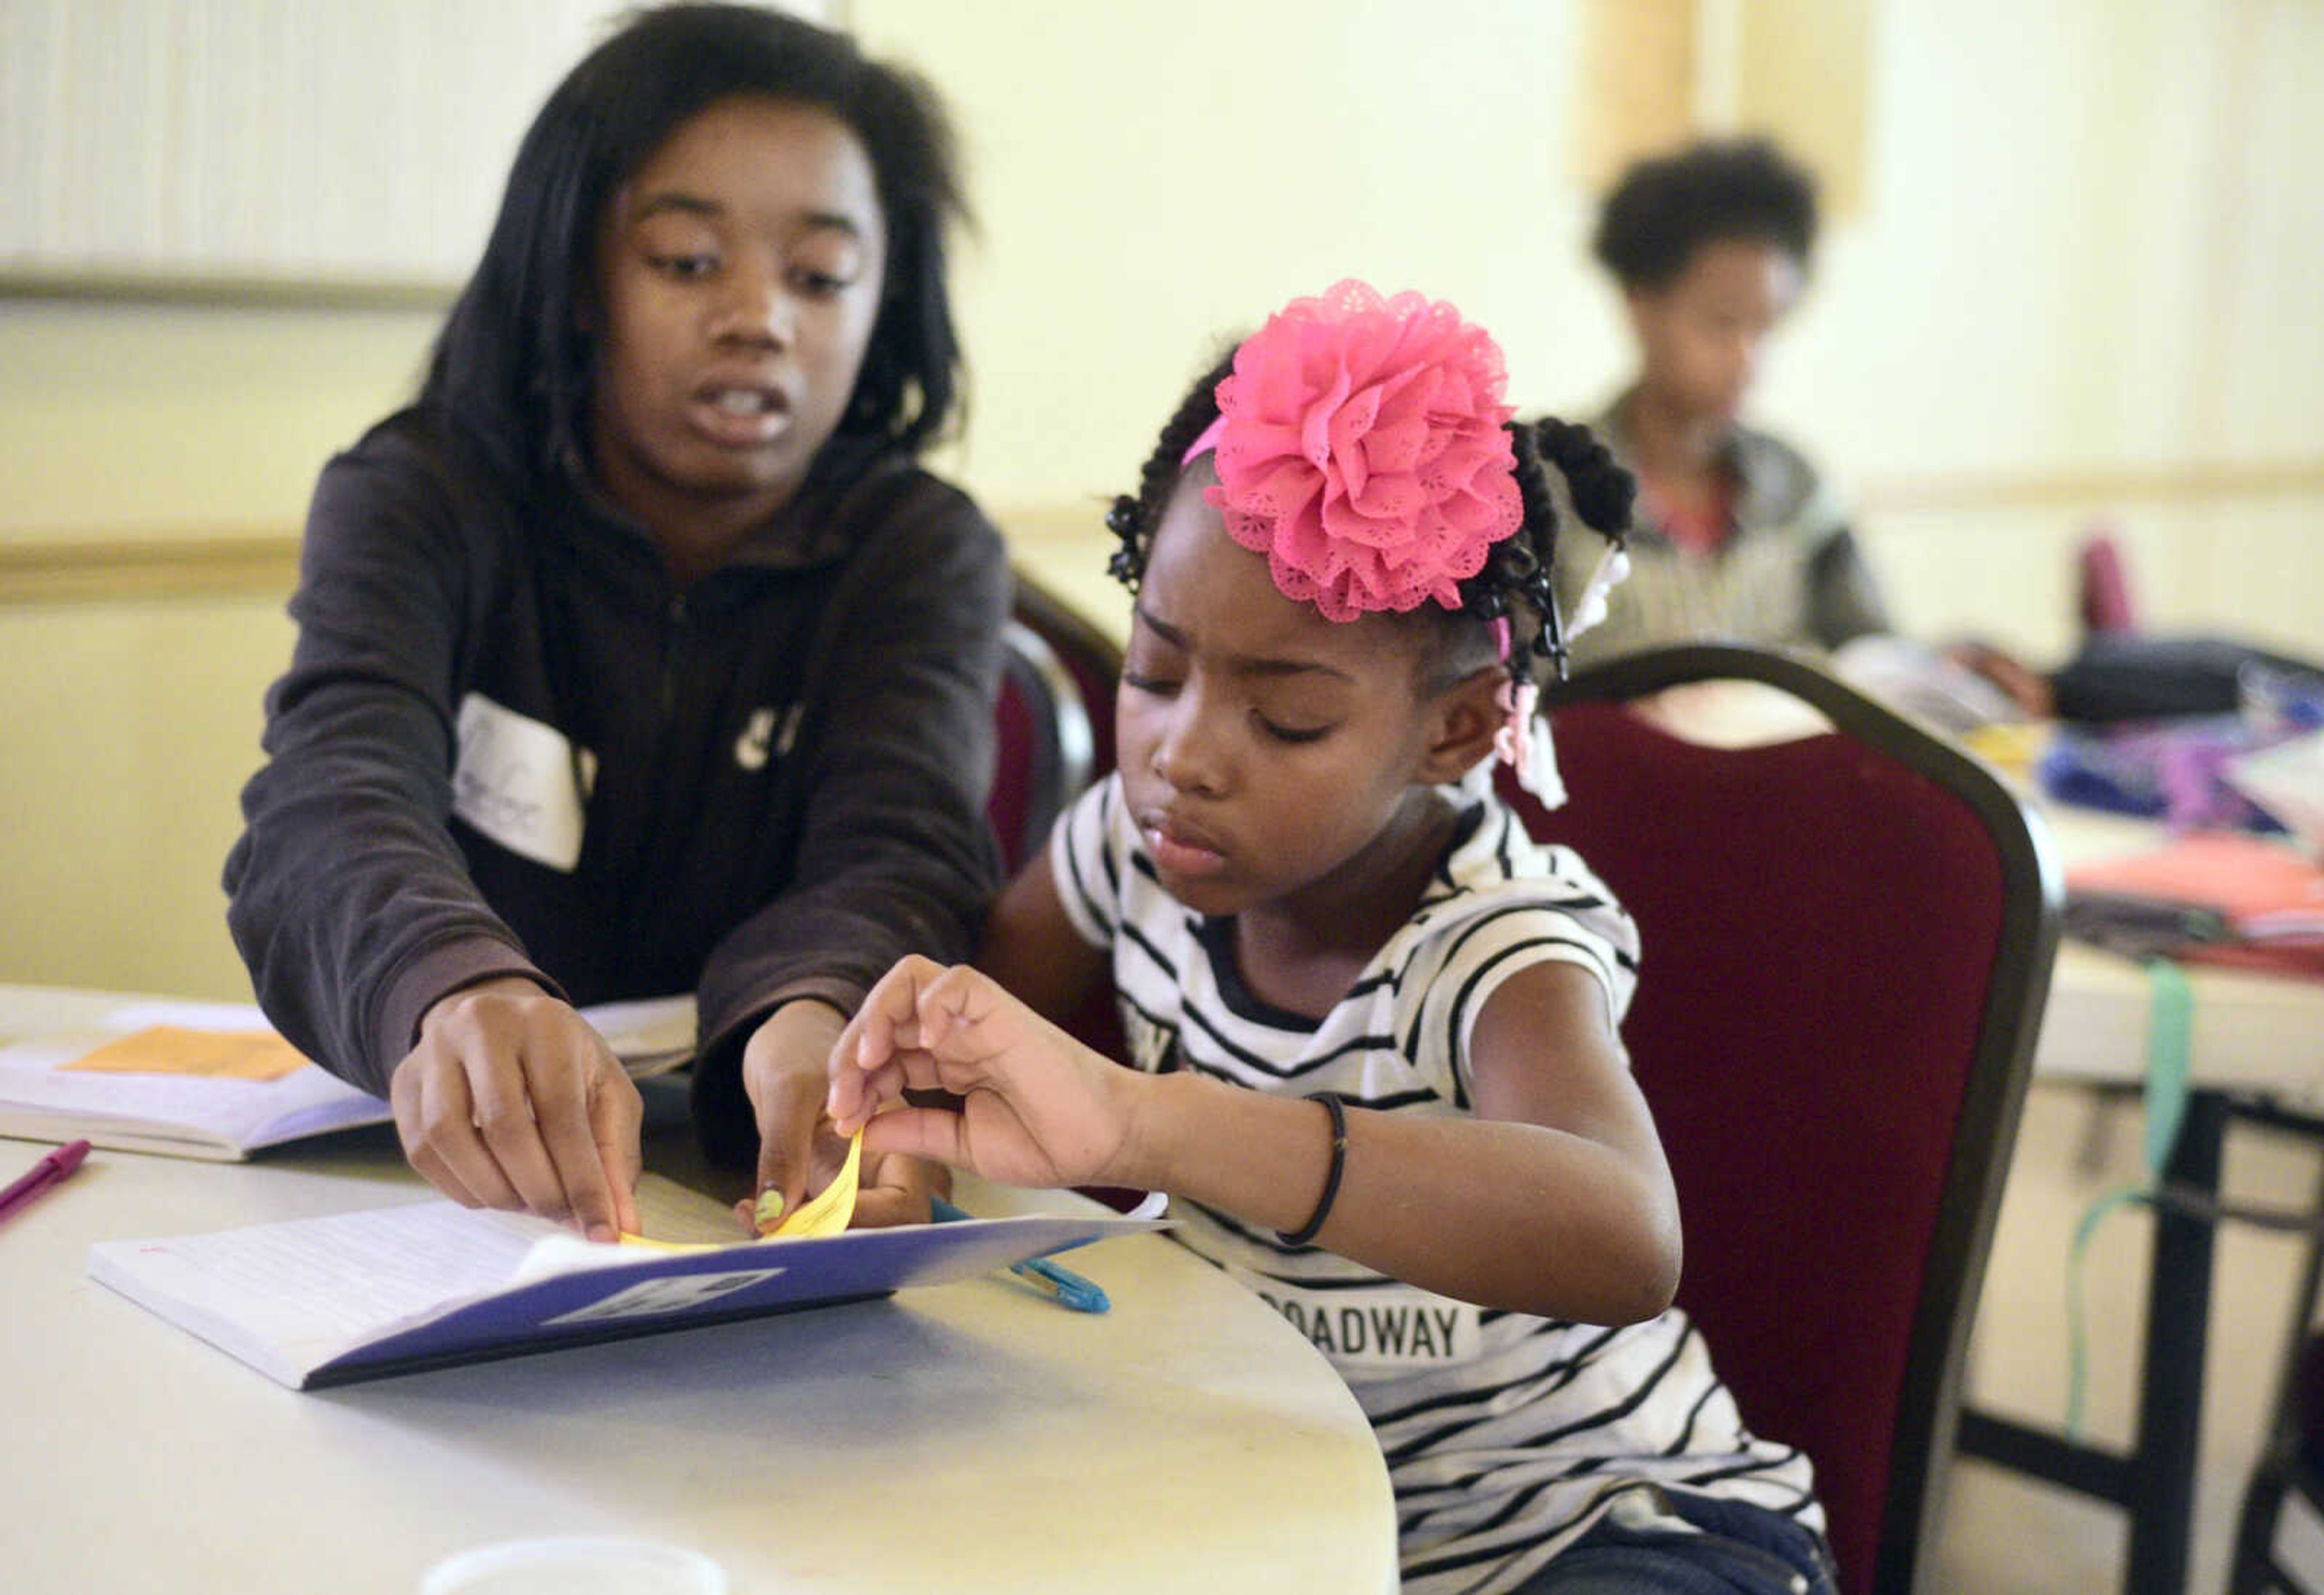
<point x="1554" y="1201"/>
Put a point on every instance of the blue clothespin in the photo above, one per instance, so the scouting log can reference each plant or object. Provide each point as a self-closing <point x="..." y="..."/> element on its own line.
<point x="1062" y="1286"/>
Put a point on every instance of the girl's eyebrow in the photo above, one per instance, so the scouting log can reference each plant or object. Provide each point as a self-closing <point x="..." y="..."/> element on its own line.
<point x="686" y="204"/>
<point x="1244" y="664"/>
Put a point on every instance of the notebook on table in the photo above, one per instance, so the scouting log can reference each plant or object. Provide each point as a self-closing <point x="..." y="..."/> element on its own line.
<point x="316" y="1301"/>
<point x="2209" y="897"/>
<point x="209" y="1080"/>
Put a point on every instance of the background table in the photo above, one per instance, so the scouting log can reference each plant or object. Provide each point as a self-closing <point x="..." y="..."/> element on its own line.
<point x="2256" y="1053"/>
<point x="969" y="1437"/>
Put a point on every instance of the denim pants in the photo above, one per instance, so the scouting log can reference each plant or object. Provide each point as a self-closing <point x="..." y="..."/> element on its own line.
<point x="1728" y="1548"/>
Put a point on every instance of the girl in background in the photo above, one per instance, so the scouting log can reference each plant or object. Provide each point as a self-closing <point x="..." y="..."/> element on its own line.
<point x="1739" y="539"/>
<point x="1739" y="536"/>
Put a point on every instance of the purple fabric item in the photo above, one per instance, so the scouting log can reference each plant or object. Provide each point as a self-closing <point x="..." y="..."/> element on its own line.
<point x="2169" y="771"/>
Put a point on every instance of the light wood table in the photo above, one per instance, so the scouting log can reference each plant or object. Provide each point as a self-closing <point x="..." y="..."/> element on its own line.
<point x="2254" y="1033"/>
<point x="974" y="1437"/>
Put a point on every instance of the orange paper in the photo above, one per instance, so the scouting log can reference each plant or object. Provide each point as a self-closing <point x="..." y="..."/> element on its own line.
<point x="2265" y="888"/>
<point x="212" y="1055"/>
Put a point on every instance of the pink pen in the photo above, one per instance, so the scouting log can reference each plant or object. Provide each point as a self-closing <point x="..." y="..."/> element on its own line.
<point x="51" y="1170"/>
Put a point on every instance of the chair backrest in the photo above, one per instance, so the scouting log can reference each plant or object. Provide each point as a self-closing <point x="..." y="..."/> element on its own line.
<point x="1088" y="655"/>
<point x="1053" y="717"/>
<point x="1083" y="666"/>
<point x="1042" y="755"/>
<point x="1846" y="945"/>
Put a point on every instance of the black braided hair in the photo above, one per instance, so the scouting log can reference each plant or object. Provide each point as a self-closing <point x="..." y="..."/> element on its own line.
<point x="1516" y="580"/>
<point x="1132" y="519"/>
<point x="1522" y="567"/>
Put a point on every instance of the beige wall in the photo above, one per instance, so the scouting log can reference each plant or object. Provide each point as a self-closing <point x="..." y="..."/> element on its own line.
<point x="2079" y="269"/>
<point x="178" y="420"/>
<point x="2082" y="250"/>
<point x="126" y="728"/>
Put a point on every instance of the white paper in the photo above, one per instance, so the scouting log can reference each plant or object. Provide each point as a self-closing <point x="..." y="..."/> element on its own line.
<point x="312" y="1288"/>
<point x="650" y="1037"/>
<point x="190" y="1016"/>
<point x="2288" y="781"/>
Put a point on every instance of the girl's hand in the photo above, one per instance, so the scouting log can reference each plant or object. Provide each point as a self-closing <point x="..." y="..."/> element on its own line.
<point x="1036" y="1107"/>
<point x="2024" y="686"/>
<point x="512" y="1101"/>
<point x="799" y="1152"/>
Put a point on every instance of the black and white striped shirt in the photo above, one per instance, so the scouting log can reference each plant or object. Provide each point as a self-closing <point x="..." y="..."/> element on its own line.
<point x="1506" y="1435"/>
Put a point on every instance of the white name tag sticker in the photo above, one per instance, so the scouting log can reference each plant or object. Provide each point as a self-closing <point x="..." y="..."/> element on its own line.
<point x="652" y="1298"/>
<point x="513" y="781"/>
<point x="1376" y="1327"/>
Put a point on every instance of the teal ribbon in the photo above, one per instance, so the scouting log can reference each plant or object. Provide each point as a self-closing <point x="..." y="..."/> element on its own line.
<point x="2170" y="1024"/>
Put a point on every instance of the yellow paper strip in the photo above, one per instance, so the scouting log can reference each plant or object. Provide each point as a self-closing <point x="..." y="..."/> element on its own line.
<point x="829" y="1213"/>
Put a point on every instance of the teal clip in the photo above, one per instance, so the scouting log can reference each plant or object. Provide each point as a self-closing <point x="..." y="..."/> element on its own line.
<point x="1062" y="1286"/>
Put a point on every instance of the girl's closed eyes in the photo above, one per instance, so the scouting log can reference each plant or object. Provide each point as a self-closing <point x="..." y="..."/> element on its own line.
<point x="1283" y="725"/>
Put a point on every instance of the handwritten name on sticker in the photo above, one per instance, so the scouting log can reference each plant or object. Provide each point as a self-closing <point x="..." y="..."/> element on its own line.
<point x="514" y="782"/>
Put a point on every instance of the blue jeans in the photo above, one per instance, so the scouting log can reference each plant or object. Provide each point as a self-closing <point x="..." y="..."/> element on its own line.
<point x="1740" y="1550"/>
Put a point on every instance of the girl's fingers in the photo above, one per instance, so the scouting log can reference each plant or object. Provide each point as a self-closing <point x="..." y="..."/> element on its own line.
<point x="786" y="1113"/>
<point x="932" y="1133"/>
<point x="891" y="1008"/>
<point x="916" y="1007"/>
<point x="845" y="1103"/>
<point x="856" y="1094"/>
<point x="449" y="1114"/>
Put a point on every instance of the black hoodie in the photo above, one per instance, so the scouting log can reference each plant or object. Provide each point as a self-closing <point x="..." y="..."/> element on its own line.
<point x="785" y="765"/>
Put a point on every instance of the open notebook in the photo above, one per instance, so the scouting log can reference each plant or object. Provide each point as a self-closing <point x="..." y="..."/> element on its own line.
<point x="359" y="1296"/>
<point x="209" y="1080"/>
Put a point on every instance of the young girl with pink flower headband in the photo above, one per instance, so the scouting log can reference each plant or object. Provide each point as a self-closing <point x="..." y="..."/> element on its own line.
<point x="1372" y="1026"/>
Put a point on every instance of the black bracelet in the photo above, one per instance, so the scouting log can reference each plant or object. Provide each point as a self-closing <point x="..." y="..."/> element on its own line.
<point x="1307" y="1232"/>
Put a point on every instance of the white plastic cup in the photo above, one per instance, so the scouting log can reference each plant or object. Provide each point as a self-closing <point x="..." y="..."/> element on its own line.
<point x="575" y="1566"/>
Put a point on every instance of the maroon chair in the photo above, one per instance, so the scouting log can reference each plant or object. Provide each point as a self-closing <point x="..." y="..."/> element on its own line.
<point x="1053" y="717"/>
<point x="1846" y="945"/>
<point x="1063" y="669"/>
<point x="1090" y="658"/>
<point x="1041" y="753"/>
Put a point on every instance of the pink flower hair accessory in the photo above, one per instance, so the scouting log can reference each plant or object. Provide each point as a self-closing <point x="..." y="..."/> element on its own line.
<point x="1359" y="447"/>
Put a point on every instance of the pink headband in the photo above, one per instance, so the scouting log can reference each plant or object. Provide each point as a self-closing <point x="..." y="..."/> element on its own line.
<point x="1359" y="447"/>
